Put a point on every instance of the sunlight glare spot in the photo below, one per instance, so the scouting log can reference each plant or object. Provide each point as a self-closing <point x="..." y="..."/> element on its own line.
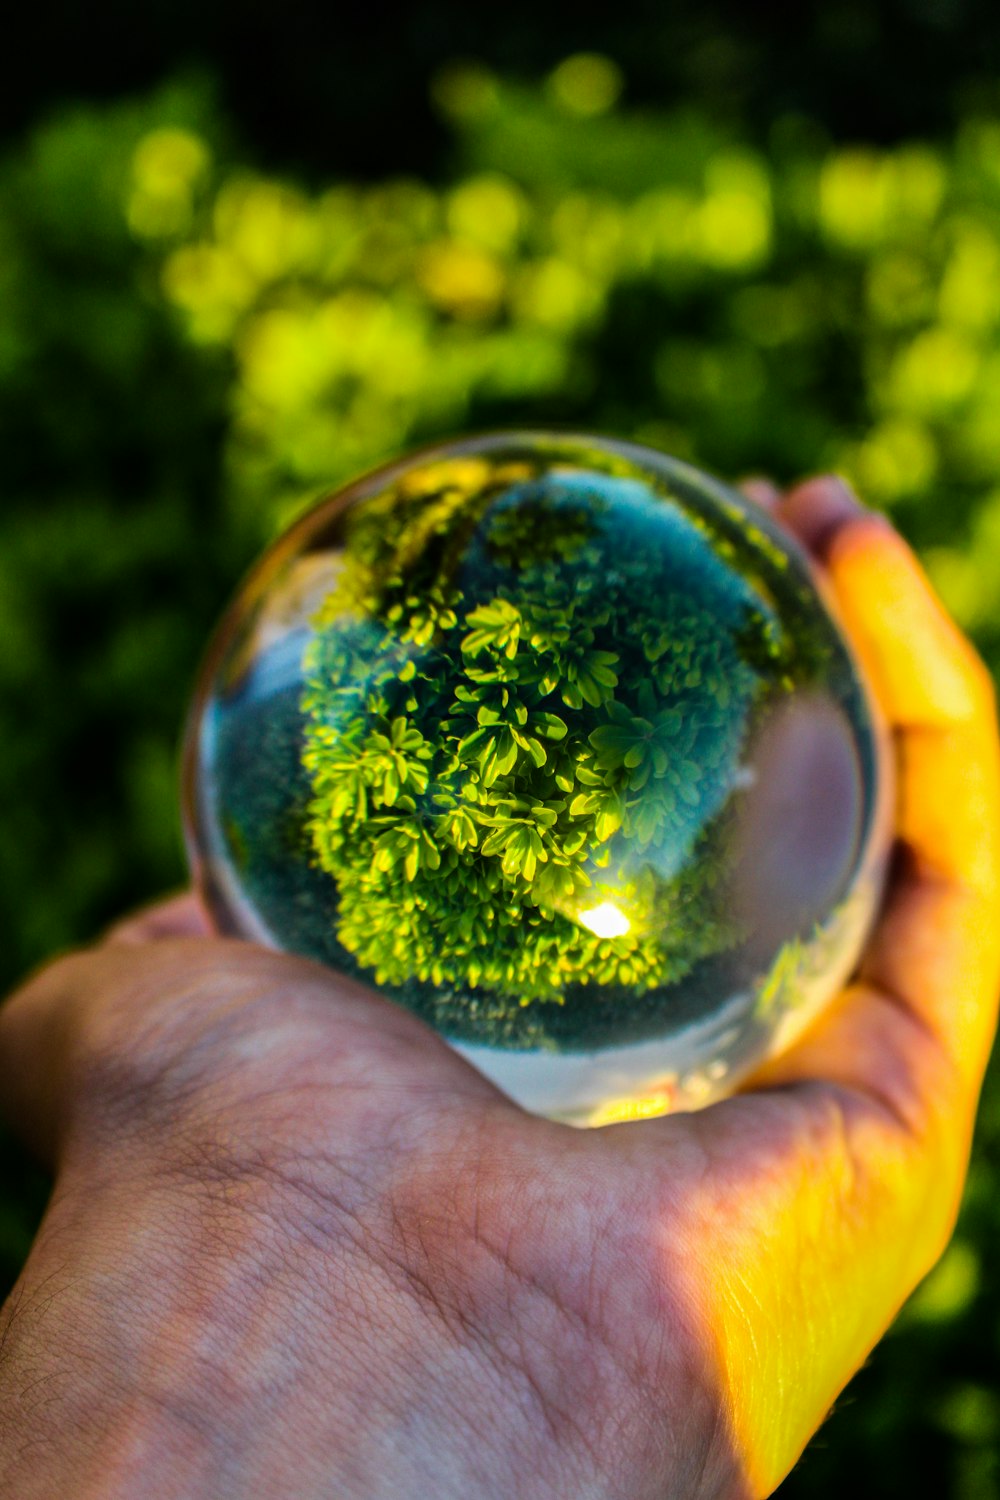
<point x="606" y="921"/>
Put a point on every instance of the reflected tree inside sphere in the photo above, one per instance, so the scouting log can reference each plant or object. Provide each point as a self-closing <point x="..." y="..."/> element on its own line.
<point x="554" y="741"/>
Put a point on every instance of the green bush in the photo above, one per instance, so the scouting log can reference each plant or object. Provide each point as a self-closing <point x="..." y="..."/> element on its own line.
<point x="190" y="351"/>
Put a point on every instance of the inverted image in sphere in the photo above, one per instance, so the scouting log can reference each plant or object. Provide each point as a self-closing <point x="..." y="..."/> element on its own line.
<point x="556" y="742"/>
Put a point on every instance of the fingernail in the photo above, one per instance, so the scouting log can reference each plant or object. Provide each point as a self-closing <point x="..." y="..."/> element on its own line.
<point x="761" y="490"/>
<point x="817" y="509"/>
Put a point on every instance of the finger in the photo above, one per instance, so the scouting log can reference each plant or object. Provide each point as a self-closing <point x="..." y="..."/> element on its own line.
<point x="817" y="509"/>
<point x="182" y="915"/>
<point x="929" y="979"/>
<point x="931" y="685"/>
<point x="924" y="671"/>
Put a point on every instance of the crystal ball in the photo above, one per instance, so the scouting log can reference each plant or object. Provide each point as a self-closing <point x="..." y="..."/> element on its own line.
<point x="557" y="742"/>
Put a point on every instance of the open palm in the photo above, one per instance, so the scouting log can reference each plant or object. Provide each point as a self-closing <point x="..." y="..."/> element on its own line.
<point x="345" y="1247"/>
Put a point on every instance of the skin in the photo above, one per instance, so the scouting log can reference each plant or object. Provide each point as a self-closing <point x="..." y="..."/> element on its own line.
<point x="297" y="1247"/>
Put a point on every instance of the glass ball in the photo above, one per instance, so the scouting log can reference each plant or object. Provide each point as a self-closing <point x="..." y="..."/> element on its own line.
<point x="555" y="741"/>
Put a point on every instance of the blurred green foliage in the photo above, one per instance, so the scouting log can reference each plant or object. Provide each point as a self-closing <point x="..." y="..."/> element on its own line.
<point x="191" y="350"/>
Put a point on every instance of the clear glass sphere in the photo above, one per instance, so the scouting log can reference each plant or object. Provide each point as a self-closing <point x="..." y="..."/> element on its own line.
<point x="555" y="741"/>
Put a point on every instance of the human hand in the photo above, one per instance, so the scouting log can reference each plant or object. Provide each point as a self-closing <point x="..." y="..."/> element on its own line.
<point x="298" y="1248"/>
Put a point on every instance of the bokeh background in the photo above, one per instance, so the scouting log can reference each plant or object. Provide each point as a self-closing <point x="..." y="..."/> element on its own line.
<point x="244" y="256"/>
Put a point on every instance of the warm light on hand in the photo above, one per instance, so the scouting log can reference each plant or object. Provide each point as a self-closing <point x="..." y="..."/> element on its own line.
<point x="296" y="1240"/>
